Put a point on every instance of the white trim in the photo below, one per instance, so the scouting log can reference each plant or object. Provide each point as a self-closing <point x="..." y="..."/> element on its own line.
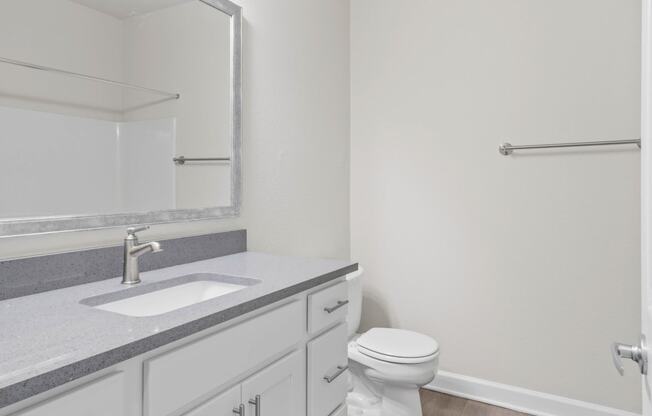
<point x="522" y="400"/>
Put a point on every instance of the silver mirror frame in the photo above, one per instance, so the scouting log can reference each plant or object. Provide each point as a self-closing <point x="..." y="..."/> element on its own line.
<point x="42" y="225"/>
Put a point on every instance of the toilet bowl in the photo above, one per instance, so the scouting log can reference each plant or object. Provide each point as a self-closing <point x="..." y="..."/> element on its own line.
<point x="387" y="365"/>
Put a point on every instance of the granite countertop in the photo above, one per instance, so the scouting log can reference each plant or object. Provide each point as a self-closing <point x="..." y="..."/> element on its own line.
<point x="50" y="338"/>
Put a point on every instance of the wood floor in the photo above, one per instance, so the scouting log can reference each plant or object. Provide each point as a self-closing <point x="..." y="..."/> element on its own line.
<point x="438" y="404"/>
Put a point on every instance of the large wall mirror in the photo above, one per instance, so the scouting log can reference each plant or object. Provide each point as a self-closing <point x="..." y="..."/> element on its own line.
<point x="118" y="112"/>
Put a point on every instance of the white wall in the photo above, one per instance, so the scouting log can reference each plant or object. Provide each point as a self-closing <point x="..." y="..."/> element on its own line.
<point x="296" y="138"/>
<point x="524" y="268"/>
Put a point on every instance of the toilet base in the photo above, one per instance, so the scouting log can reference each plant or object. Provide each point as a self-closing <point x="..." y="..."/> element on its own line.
<point x="400" y="402"/>
<point x="370" y="398"/>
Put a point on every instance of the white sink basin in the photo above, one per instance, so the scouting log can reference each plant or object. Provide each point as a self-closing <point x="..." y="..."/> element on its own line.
<point x="166" y="300"/>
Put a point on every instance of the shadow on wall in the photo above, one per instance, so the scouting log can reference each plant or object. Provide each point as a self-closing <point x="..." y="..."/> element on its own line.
<point x="374" y="313"/>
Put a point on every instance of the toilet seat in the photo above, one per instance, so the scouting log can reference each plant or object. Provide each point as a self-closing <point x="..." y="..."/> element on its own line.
<point x="397" y="346"/>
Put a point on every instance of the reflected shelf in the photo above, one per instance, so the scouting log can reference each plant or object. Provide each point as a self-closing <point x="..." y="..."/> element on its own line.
<point x="64" y="72"/>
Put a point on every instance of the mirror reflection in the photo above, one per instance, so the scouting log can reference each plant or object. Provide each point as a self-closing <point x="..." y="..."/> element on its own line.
<point x="101" y="101"/>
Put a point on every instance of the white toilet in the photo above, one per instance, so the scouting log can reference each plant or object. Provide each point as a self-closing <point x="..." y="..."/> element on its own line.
<point x="388" y="366"/>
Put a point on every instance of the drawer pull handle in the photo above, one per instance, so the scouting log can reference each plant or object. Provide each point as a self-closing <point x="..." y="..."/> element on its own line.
<point x="239" y="410"/>
<point x="332" y="309"/>
<point x="256" y="403"/>
<point x="340" y="370"/>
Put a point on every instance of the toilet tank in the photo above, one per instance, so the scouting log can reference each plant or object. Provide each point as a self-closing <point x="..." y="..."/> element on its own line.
<point x="354" y="282"/>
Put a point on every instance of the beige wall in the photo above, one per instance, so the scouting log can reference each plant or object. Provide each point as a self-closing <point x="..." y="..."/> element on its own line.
<point x="296" y="138"/>
<point x="524" y="268"/>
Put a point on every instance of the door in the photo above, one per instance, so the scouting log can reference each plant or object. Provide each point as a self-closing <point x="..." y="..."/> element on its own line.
<point x="639" y="353"/>
<point x="646" y="198"/>
<point x="223" y="404"/>
<point x="278" y="390"/>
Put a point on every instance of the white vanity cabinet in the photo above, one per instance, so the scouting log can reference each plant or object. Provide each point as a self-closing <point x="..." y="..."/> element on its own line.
<point x="285" y="359"/>
<point x="102" y="397"/>
<point x="186" y="374"/>
<point x="327" y="307"/>
<point x="327" y="378"/>
<point x="277" y="390"/>
<point x="221" y="405"/>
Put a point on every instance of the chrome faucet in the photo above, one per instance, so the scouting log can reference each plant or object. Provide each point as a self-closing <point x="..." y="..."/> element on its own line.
<point x="132" y="251"/>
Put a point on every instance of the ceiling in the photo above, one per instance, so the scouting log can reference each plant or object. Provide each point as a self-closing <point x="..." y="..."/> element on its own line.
<point x="127" y="8"/>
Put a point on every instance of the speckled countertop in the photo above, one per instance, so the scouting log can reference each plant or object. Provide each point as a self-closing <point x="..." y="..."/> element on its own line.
<point x="51" y="338"/>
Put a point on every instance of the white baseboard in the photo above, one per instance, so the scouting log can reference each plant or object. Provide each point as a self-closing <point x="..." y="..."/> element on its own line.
<point x="527" y="401"/>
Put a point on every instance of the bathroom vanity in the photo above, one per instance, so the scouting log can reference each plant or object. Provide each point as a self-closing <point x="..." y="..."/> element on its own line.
<point x="274" y="346"/>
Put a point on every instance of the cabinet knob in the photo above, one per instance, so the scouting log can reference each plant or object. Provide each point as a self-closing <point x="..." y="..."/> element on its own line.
<point x="256" y="403"/>
<point x="240" y="411"/>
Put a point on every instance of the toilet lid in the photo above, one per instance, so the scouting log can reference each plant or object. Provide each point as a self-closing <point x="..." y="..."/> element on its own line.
<point x="397" y="345"/>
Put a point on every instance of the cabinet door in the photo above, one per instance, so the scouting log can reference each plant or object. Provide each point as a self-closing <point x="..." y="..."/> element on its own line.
<point x="221" y="405"/>
<point x="279" y="388"/>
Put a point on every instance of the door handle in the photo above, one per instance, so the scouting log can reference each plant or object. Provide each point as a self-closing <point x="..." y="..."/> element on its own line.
<point x="636" y="353"/>
<point x="240" y="410"/>
<point x="256" y="402"/>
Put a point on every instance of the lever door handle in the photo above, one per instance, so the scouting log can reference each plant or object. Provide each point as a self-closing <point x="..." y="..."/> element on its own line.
<point x="615" y="357"/>
<point x="636" y="353"/>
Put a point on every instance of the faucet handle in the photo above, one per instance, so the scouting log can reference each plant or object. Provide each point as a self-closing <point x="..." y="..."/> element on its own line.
<point x="133" y="230"/>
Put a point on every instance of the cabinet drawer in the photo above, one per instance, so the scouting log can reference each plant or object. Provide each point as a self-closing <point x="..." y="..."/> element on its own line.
<point x="103" y="397"/>
<point x="327" y="307"/>
<point x="327" y="377"/>
<point x="179" y="377"/>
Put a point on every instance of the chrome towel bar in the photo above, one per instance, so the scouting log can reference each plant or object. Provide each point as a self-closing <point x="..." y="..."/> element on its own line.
<point x="181" y="160"/>
<point x="88" y="77"/>
<point x="507" y="149"/>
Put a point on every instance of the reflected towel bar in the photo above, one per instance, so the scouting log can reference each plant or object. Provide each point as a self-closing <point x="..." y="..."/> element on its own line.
<point x="181" y="160"/>
<point x="88" y="77"/>
<point x="507" y="149"/>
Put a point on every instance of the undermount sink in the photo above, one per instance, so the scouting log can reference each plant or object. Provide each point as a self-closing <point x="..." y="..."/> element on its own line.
<point x="160" y="298"/>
